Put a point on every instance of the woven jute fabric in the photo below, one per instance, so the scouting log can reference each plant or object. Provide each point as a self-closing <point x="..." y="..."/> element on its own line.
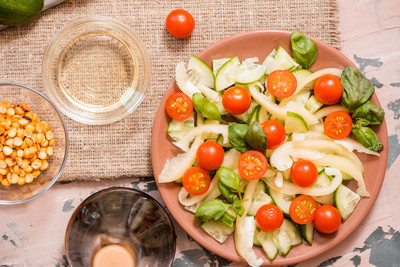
<point x="122" y="148"/>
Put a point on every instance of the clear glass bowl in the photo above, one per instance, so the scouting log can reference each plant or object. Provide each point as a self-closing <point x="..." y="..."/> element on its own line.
<point x="40" y="104"/>
<point x="96" y="70"/>
<point x="122" y="216"/>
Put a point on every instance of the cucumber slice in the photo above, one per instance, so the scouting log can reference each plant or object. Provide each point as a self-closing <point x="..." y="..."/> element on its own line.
<point x="295" y="123"/>
<point x="264" y="115"/>
<point x="307" y="232"/>
<point x="284" y="60"/>
<point x="226" y="75"/>
<point x="229" y="218"/>
<point x="286" y="237"/>
<point x="282" y="201"/>
<point x="301" y="74"/>
<point x="322" y="181"/>
<point x="347" y="177"/>
<point x="200" y="72"/>
<point x="267" y="243"/>
<point x="217" y="230"/>
<point x="302" y="97"/>
<point x="256" y="242"/>
<point x="177" y="129"/>
<point x="249" y="73"/>
<point x="244" y="117"/>
<point x="313" y="104"/>
<point x="218" y="63"/>
<point x="346" y="201"/>
<point x="260" y="199"/>
<point x="254" y="115"/>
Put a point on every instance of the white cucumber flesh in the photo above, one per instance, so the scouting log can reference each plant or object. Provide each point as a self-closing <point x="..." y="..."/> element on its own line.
<point x="226" y="75"/>
<point x="200" y="72"/>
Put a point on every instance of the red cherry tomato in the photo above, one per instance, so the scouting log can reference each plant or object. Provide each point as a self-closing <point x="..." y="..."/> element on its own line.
<point x="302" y="209"/>
<point x="327" y="219"/>
<point x="252" y="165"/>
<point x="281" y="83"/>
<point x="275" y="132"/>
<point x="236" y="100"/>
<point x="196" y="180"/>
<point x="269" y="218"/>
<point x="328" y="89"/>
<point x="210" y="155"/>
<point x="304" y="173"/>
<point x="180" y="23"/>
<point x="179" y="106"/>
<point x="338" y="125"/>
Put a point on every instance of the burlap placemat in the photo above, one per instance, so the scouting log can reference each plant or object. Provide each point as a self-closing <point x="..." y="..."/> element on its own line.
<point x="123" y="148"/>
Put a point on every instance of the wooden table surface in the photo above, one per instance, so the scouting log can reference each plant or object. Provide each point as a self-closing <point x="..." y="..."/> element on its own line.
<point x="31" y="235"/>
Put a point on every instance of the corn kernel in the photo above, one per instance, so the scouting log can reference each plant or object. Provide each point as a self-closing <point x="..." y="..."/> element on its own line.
<point x="5" y="182"/>
<point x="17" y="141"/>
<point x="30" y="128"/>
<point x="19" y="110"/>
<point x="45" y="165"/>
<point x="12" y="132"/>
<point x="3" y="165"/>
<point x="24" y="145"/>
<point x="14" y="154"/>
<point x="11" y="111"/>
<point x="2" y="156"/>
<point x="20" y="153"/>
<point x="45" y="142"/>
<point x="26" y="152"/>
<point x="28" y="134"/>
<point x="50" y="151"/>
<point x="3" y="171"/>
<point x="10" y="143"/>
<point x="15" y="124"/>
<point x="42" y="155"/>
<point x="18" y="160"/>
<point x="13" y="178"/>
<point x="25" y="107"/>
<point x="21" y="180"/>
<point x="24" y="164"/>
<point x="49" y="135"/>
<point x="29" y="178"/>
<point x="36" y="173"/>
<point x="16" y="170"/>
<point x="39" y="138"/>
<point x="3" y="109"/>
<point x="52" y="142"/>
<point x="28" y="169"/>
<point x="32" y="150"/>
<point x="9" y="161"/>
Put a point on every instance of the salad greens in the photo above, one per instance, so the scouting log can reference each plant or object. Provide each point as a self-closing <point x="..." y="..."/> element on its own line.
<point x="305" y="50"/>
<point x="256" y="138"/>
<point x="229" y="179"/>
<point x="369" y="114"/>
<point x="205" y="107"/>
<point x="237" y="136"/>
<point x="212" y="209"/>
<point x="366" y="136"/>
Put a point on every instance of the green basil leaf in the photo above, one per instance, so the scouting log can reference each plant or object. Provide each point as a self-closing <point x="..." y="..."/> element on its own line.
<point x="367" y="137"/>
<point x="205" y="107"/>
<point x="236" y="135"/>
<point x="227" y="193"/>
<point x="238" y="207"/>
<point x="212" y="209"/>
<point x="229" y="179"/>
<point x="370" y="113"/>
<point x="256" y="137"/>
<point x="357" y="89"/>
<point x="305" y="51"/>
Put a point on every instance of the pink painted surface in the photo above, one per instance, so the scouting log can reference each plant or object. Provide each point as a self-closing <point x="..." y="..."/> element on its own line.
<point x="32" y="234"/>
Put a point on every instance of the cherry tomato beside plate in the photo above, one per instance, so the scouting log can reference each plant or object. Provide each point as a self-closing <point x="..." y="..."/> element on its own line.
<point x="302" y="209"/>
<point x="338" y="125"/>
<point x="327" y="219"/>
<point x="180" y="23"/>
<point x="269" y="218"/>
<point x="304" y="173"/>
<point x="236" y="100"/>
<point x="196" y="180"/>
<point x="275" y="132"/>
<point x="210" y="155"/>
<point x="252" y="165"/>
<point x="328" y="89"/>
<point x="281" y="83"/>
<point x="179" y="106"/>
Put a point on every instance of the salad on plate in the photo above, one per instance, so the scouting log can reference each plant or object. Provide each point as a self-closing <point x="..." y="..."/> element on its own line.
<point x="266" y="146"/>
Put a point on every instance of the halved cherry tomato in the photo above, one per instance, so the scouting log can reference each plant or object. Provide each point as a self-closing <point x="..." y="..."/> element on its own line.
<point x="210" y="155"/>
<point x="328" y="89"/>
<point x="236" y="100"/>
<point x="304" y="173"/>
<point x="275" y="132"/>
<point x="302" y="209"/>
<point x="196" y="180"/>
<point x="252" y="165"/>
<point x="327" y="219"/>
<point x="180" y="23"/>
<point x="269" y="218"/>
<point x="281" y="83"/>
<point x="179" y="106"/>
<point x="337" y="125"/>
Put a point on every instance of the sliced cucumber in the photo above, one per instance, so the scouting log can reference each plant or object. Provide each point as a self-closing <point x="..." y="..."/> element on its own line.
<point x="295" y="123"/>
<point x="282" y="201"/>
<point x="200" y="72"/>
<point x="347" y="177"/>
<point x="244" y="117"/>
<point x="249" y="73"/>
<point x="307" y="232"/>
<point x="218" y="63"/>
<point x="177" y="129"/>
<point x="260" y="199"/>
<point x="217" y="230"/>
<point x="256" y="242"/>
<point x="301" y="74"/>
<point x="322" y="181"/>
<point x="264" y="115"/>
<point x="346" y="201"/>
<point x="229" y="218"/>
<point x="226" y="75"/>
<point x="254" y="115"/>
<point x="286" y="237"/>
<point x="285" y="61"/>
<point x="266" y="241"/>
<point x="313" y="104"/>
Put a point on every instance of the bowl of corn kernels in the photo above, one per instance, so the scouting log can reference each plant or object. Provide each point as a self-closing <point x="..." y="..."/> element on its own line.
<point x="33" y="143"/>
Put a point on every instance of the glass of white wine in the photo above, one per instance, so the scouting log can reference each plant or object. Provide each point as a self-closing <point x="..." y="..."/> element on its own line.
<point x="120" y="227"/>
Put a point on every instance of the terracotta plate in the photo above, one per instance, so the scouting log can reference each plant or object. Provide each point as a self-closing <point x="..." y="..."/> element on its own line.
<point x="260" y="44"/>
